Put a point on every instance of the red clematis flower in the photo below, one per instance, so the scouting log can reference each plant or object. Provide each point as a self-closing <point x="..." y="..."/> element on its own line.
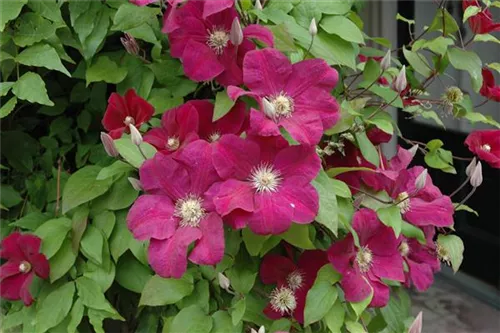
<point x="481" y="23"/>
<point x="125" y="110"/>
<point x="293" y="281"/>
<point x="486" y="145"/>
<point x="489" y="89"/>
<point x="24" y="260"/>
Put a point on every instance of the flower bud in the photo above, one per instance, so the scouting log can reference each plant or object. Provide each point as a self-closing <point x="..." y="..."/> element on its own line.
<point x="421" y="180"/>
<point x="109" y="145"/>
<point x="416" y="326"/>
<point x="136" y="184"/>
<point x="130" y="44"/>
<point x="313" y="28"/>
<point x="413" y="150"/>
<point x="386" y="61"/>
<point x="268" y="108"/>
<point x="477" y="175"/>
<point x="236" y="34"/>
<point x="135" y="135"/>
<point x="400" y="83"/>
<point x="471" y="167"/>
<point x="262" y="329"/>
<point x="224" y="282"/>
<point x="258" y="5"/>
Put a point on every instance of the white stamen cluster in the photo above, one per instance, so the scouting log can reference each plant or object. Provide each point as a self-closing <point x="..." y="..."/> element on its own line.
<point x="265" y="178"/>
<point x="403" y="201"/>
<point x="295" y="280"/>
<point x="283" y="106"/>
<point x="404" y="248"/>
<point x="24" y="267"/>
<point x="173" y="143"/>
<point x="217" y="40"/>
<point x="283" y="300"/>
<point x="486" y="147"/>
<point x="189" y="210"/>
<point x="129" y="121"/>
<point x="364" y="259"/>
<point x="214" y="136"/>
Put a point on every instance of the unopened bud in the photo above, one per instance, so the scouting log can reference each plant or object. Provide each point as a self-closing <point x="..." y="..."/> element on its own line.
<point x="470" y="168"/>
<point x="224" y="282"/>
<point x="262" y="329"/>
<point x="476" y="178"/>
<point x="268" y="108"/>
<point x="109" y="145"/>
<point x="386" y="61"/>
<point x="135" y="135"/>
<point x="421" y="180"/>
<point x="258" y="5"/>
<point x="136" y="184"/>
<point x="236" y="34"/>
<point x="416" y="326"/>
<point x="313" y="28"/>
<point x="400" y="83"/>
<point x="413" y="150"/>
<point x="130" y="44"/>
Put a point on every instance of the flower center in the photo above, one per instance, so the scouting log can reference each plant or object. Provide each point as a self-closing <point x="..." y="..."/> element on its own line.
<point x="443" y="253"/>
<point x="295" y="280"/>
<point x="265" y="179"/>
<point x="24" y="267"/>
<point x="403" y="202"/>
<point x="364" y="259"/>
<point x="189" y="210"/>
<point x="217" y="40"/>
<point x="486" y="147"/>
<point x="173" y="143"/>
<point x="283" y="105"/>
<point x="404" y="248"/>
<point x="129" y="120"/>
<point x="283" y="300"/>
<point x="214" y="136"/>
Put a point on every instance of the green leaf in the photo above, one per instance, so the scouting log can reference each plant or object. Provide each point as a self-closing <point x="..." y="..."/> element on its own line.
<point x="115" y="169"/>
<point x="131" y="274"/>
<point x="243" y="273"/>
<point x="121" y="195"/>
<point x="410" y="231"/>
<point x="332" y="172"/>
<point x="321" y="297"/>
<point x="371" y="71"/>
<point x="461" y="207"/>
<point x="485" y="38"/>
<point x="418" y="62"/>
<point x="328" y="210"/>
<point x="470" y="11"/>
<point x="238" y="311"/>
<point x="192" y="320"/>
<point x="49" y="9"/>
<point x="367" y="148"/>
<point x="223" y="105"/>
<point x="96" y="318"/>
<point x="467" y="61"/>
<point x="62" y="261"/>
<point x="394" y="315"/>
<point x="440" y="159"/>
<point x="30" y="87"/>
<point x="130" y="16"/>
<point x="30" y="221"/>
<point x="354" y="327"/>
<point x="120" y="237"/>
<point x="359" y="307"/>
<point x="42" y="55"/>
<point x="334" y="318"/>
<point x="160" y="291"/>
<point x="92" y="296"/>
<point x="144" y="32"/>
<point x="253" y="242"/>
<point x="31" y="29"/>
<point x="452" y="250"/>
<point x="82" y="187"/>
<point x="200" y="296"/>
<point x="280" y="325"/>
<point x="283" y="41"/>
<point x="298" y="235"/>
<point x="400" y="17"/>
<point x="79" y="224"/>
<point x="104" y="69"/>
<point x="105" y="221"/>
<point x="222" y="323"/>
<point x="5" y="88"/>
<point x="391" y="217"/>
<point x="163" y="101"/>
<point x="343" y="27"/>
<point x="10" y="197"/>
<point x="131" y="153"/>
<point x="53" y="309"/>
<point x="10" y="10"/>
<point x="438" y="45"/>
<point x="76" y="315"/>
<point x="91" y="244"/>
<point x="53" y="233"/>
<point x="139" y="77"/>
<point x="444" y="21"/>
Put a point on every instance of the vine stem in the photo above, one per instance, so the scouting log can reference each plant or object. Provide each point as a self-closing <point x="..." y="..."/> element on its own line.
<point x="466" y="198"/>
<point x="370" y="195"/>
<point x="58" y="190"/>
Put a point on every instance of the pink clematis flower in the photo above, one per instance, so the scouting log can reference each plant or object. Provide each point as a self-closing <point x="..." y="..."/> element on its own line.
<point x="24" y="260"/>
<point x="176" y="211"/>
<point x="486" y="145"/>
<point x="299" y="95"/>
<point x="482" y="22"/>
<point x="421" y="260"/>
<point x="292" y="281"/>
<point x="267" y="184"/>
<point x="125" y="110"/>
<point x="363" y="268"/>
<point x="489" y="89"/>
<point x="203" y="44"/>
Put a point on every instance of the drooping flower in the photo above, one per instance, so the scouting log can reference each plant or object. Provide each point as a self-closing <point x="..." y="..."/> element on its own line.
<point x="176" y="211"/>
<point x="363" y="268"/>
<point x="234" y="122"/>
<point x="292" y="281"/>
<point x="203" y="44"/>
<point x="482" y="22"/>
<point x="125" y="110"/>
<point x="300" y="95"/>
<point x="267" y="184"/>
<point x="489" y="89"/>
<point x="485" y="144"/>
<point x="24" y="260"/>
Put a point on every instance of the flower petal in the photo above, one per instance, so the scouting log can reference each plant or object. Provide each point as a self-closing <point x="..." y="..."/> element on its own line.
<point x="303" y="199"/>
<point x="422" y="275"/>
<point x="298" y="160"/>
<point x="10" y="247"/>
<point x="311" y="73"/>
<point x="234" y="157"/>
<point x="266" y="71"/>
<point x="341" y="253"/>
<point x="261" y="125"/>
<point x="388" y="267"/>
<point x="260" y="33"/>
<point x="209" y="249"/>
<point x="310" y="262"/>
<point x="183" y="120"/>
<point x="305" y="127"/>
<point x="320" y="102"/>
<point x="9" y="268"/>
<point x="270" y="216"/>
<point x="234" y="194"/>
<point x="10" y="287"/>
<point x="40" y="265"/>
<point x="237" y="219"/>
<point x="380" y="294"/>
<point x="213" y="7"/>
<point x="233" y="73"/>
<point x="275" y="268"/>
<point x="25" y="290"/>
<point x="236" y="92"/>
<point x="271" y="313"/>
<point x="438" y="212"/>
<point x="200" y="62"/>
<point x="355" y="286"/>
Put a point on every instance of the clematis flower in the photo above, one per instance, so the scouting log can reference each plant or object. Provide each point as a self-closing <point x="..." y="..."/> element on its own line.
<point x="292" y="281"/>
<point x="24" y="261"/>
<point x="176" y="211"/>
<point x="489" y="89"/>
<point x="125" y="110"/>
<point x="482" y="22"/>
<point x="363" y="268"/>
<point x="421" y="260"/>
<point x="486" y="145"/>
<point x="267" y="184"/>
<point x="203" y="43"/>
<point x="300" y="95"/>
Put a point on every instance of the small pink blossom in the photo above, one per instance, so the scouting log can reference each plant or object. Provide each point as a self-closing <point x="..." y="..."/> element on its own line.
<point x="485" y="145"/>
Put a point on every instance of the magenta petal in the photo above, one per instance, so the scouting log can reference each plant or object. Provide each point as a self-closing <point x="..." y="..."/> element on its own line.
<point x="234" y="194"/>
<point x="421" y="275"/>
<point x="259" y="32"/>
<point x="168" y="258"/>
<point x="25" y="289"/>
<point x="388" y="267"/>
<point x="152" y="216"/>
<point x="270" y="216"/>
<point x="401" y="160"/>
<point x="10" y="287"/>
<point x="300" y="161"/>
<point x="200" y="62"/>
<point x="305" y="127"/>
<point x="261" y="125"/>
<point x="233" y="73"/>
<point x="237" y="219"/>
<point x="438" y="212"/>
<point x="173" y="183"/>
<point x="303" y="199"/>
<point x="321" y="102"/>
<point x="212" y="7"/>
<point x="275" y="268"/>
<point x="40" y="265"/>
<point x="309" y="73"/>
<point x="271" y="313"/>
<point x="234" y="157"/>
<point x="236" y="92"/>
<point x="340" y="254"/>
<point x="266" y="71"/>
<point x="380" y="294"/>
<point x="10" y="248"/>
<point x="234" y="121"/>
<point x="355" y="286"/>
<point x="367" y="224"/>
<point x="9" y="268"/>
<point x="209" y="249"/>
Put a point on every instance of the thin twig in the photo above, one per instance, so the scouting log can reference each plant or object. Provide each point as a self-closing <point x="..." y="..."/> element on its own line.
<point x="58" y="190"/>
<point x="466" y="198"/>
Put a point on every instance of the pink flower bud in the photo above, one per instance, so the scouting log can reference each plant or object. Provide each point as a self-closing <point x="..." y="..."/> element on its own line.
<point x="236" y="34"/>
<point x="268" y="108"/>
<point x="258" y="5"/>
<point x="109" y="145"/>
<point x="413" y="150"/>
<point x="135" y="135"/>
<point x="416" y="326"/>
<point x="471" y="167"/>
<point x="386" y="61"/>
<point x="313" y="28"/>
<point x="136" y="184"/>
<point x="421" y="180"/>
<point x="400" y="83"/>
<point x="476" y="178"/>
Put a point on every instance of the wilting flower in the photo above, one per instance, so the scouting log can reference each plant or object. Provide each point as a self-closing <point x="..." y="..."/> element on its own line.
<point x="176" y="211"/>
<point x="234" y="122"/>
<point x="125" y="110"/>
<point x="363" y="268"/>
<point x="292" y="281"/>
<point x="421" y="260"/>
<point x="489" y="89"/>
<point x="300" y="95"/>
<point x="203" y="43"/>
<point x="24" y="260"/>
<point x="486" y="146"/>
<point x="482" y="22"/>
<point x="267" y="184"/>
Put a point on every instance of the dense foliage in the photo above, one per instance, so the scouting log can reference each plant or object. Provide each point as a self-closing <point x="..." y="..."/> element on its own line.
<point x="239" y="184"/>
